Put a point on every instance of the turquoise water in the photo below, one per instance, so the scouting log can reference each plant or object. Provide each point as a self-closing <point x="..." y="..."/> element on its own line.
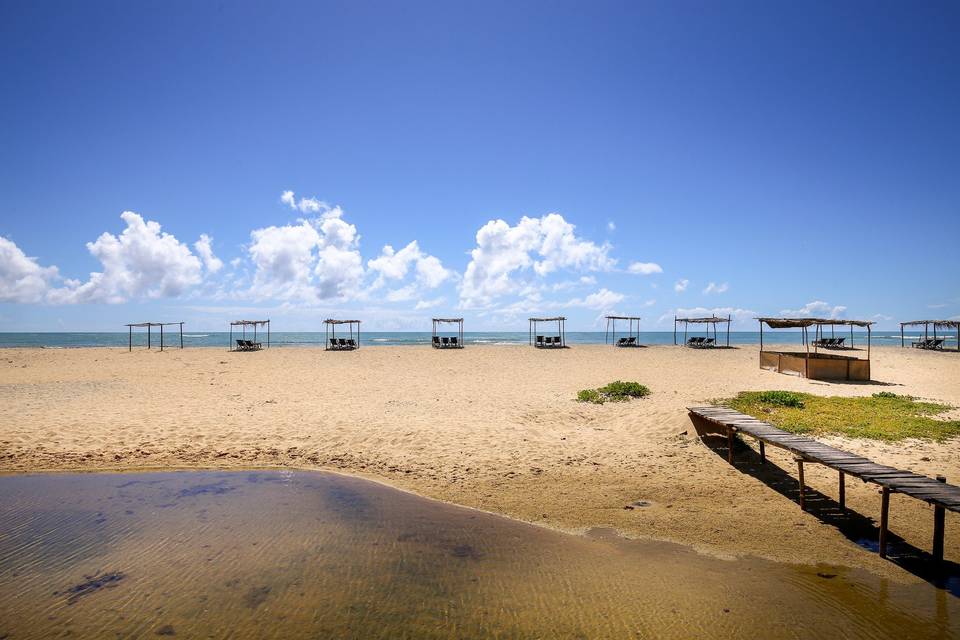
<point x="390" y="338"/>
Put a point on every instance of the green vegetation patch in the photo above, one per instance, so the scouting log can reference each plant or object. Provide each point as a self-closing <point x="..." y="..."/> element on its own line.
<point x="882" y="416"/>
<point x="617" y="391"/>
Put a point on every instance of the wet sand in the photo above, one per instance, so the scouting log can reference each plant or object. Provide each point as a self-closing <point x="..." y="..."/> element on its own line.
<point x="495" y="428"/>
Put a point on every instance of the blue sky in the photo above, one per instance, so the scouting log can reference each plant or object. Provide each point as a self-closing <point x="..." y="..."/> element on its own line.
<point x="643" y="158"/>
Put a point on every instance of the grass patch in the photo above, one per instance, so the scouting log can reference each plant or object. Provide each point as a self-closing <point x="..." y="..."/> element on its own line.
<point x="617" y="391"/>
<point x="882" y="416"/>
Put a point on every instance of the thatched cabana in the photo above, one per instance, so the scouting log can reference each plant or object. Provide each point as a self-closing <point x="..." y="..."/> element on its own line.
<point x="248" y="345"/>
<point x="701" y="342"/>
<point x="149" y="326"/>
<point x="333" y="343"/>
<point x="934" y="343"/>
<point x="814" y="364"/>
<point x="632" y="338"/>
<point x="552" y="342"/>
<point x="447" y="342"/>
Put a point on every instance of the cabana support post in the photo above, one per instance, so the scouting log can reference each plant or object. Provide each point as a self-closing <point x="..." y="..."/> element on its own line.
<point x="149" y="326"/>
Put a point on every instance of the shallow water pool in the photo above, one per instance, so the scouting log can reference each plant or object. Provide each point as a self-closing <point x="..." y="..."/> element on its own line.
<point x="276" y="554"/>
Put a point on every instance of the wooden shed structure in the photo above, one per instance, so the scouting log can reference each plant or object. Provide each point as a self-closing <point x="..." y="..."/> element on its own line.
<point x="814" y="364"/>
<point x="242" y="343"/>
<point x="447" y="342"/>
<point x="632" y="339"/>
<point x="150" y="326"/>
<point x="540" y="341"/>
<point x="702" y="341"/>
<point x="333" y="343"/>
<point x="935" y="342"/>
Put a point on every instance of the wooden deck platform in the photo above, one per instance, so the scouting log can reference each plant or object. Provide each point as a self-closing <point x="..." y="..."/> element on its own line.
<point x="727" y="422"/>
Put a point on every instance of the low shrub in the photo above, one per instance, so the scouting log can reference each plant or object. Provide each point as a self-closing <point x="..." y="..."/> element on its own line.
<point x="781" y="399"/>
<point x="617" y="391"/>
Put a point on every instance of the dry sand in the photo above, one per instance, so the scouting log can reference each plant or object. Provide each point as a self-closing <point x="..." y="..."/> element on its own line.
<point x="495" y="428"/>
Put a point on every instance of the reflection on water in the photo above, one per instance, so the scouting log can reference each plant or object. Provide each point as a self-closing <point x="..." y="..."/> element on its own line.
<point x="315" y="555"/>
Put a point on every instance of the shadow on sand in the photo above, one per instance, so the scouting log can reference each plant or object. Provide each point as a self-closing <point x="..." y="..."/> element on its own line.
<point x="861" y="529"/>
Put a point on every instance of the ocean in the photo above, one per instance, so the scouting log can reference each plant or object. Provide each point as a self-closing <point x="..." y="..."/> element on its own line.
<point x="396" y="338"/>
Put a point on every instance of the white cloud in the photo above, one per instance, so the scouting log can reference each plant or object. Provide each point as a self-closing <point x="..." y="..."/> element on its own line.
<point x="543" y="245"/>
<point x="315" y="259"/>
<point x="716" y="288"/>
<point x="816" y="309"/>
<point x="429" y="304"/>
<point x="602" y="300"/>
<point x="391" y="265"/>
<point x="681" y="285"/>
<point x="142" y="261"/>
<point x="880" y="317"/>
<point x="22" y="279"/>
<point x="644" y="268"/>
<point x="611" y="226"/>
<point x="305" y="205"/>
<point x="204" y="247"/>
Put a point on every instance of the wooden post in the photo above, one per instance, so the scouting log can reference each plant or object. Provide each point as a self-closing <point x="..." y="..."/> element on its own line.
<point x="901" y="335"/>
<point x="674" y="330"/>
<point x="130" y="339"/>
<point x="268" y="334"/>
<point x="843" y="492"/>
<point x="884" y="520"/>
<point x="803" y="502"/>
<point x="763" y="452"/>
<point x="938" y="526"/>
<point x="730" y="435"/>
<point x="161" y="337"/>
<point x="728" y="329"/>
<point x="181" y="335"/>
<point x="148" y="336"/>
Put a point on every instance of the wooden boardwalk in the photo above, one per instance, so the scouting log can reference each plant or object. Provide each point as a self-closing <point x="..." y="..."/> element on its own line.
<point x="727" y="422"/>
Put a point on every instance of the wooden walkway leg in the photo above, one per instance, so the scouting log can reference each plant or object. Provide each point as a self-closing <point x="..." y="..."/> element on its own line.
<point x="843" y="493"/>
<point x="938" y="525"/>
<point x="803" y="502"/>
<point x="763" y="452"/>
<point x="730" y="445"/>
<point x="884" y="518"/>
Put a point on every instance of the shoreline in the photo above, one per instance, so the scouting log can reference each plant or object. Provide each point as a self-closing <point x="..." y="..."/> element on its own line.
<point x="474" y="430"/>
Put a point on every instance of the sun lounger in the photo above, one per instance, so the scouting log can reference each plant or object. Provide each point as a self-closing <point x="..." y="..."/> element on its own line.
<point x="695" y="342"/>
<point x="454" y="341"/>
<point x="622" y="342"/>
<point x="632" y="341"/>
<point x="709" y="342"/>
<point x="241" y="345"/>
<point x="557" y="341"/>
<point x="539" y="342"/>
<point x="351" y="343"/>
<point x="436" y="342"/>
<point x="923" y="344"/>
<point x="445" y="341"/>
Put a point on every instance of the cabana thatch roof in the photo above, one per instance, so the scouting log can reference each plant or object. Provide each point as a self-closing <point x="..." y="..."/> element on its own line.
<point x="247" y="323"/>
<point x="953" y="324"/>
<point x="554" y="319"/>
<point x="702" y="320"/>
<point x="332" y="321"/>
<point x="794" y="323"/>
<point x="448" y="319"/>
<point x="622" y="317"/>
<point x="151" y="324"/>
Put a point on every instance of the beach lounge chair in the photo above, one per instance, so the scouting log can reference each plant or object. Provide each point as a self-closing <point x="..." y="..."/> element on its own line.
<point x="241" y="346"/>
<point x="922" y="344"/>
<point x="436" y="342"/>
<point x="709" y="342"/>
<point x="539" y="342"/>
<point x="334" y="344"/>
<point x="351" y="343"/>
<point x="936" y="344"/>
<point x="454" y="341"/>
<point x="341" y="343"/>
<point x="632" y="341"/>
<point x="622" y="342"/>
<point x="557" y="341"/>
<point x="445" y="341"/>
<point x="695" y="342"/>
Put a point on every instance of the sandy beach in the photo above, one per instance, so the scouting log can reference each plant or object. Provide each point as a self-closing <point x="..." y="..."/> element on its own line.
<point x="494" y="428"/>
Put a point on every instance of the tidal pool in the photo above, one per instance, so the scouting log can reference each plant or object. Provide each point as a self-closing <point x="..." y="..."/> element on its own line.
<point x="278" y="554"/>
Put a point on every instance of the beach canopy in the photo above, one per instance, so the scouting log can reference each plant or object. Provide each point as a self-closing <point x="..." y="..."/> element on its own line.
<point x="150" y="326"/>
<point x="455" y="342"/>
<point x="936" y="324"/>
<point x="633" y="335"/>
<point x="711" y="320"/>
<point x="256" y="324"/>
<point x="559" y="340"/>
<point x="796" y="323"/>
<point x="332" y="343"/>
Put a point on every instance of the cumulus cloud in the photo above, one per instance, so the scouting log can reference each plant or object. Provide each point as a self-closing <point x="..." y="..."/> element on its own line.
<point x="681" y="285"/>
<point x="142" y="261"/>
<point x="22" y="279"/>
<point x="817" y="309"/>
<point x="541" y="245"/>
<point x="644" y="268"/>
<point x="611" y="226"/>
<point x="391" y="265"/>
<point x="602" y="300"/>
<point x="315" y="259"/>
<point x="429" y="304"/>
<point x="304" y="205"/>
<point x="204" y="247"/>
<point x="713" y="287"/>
